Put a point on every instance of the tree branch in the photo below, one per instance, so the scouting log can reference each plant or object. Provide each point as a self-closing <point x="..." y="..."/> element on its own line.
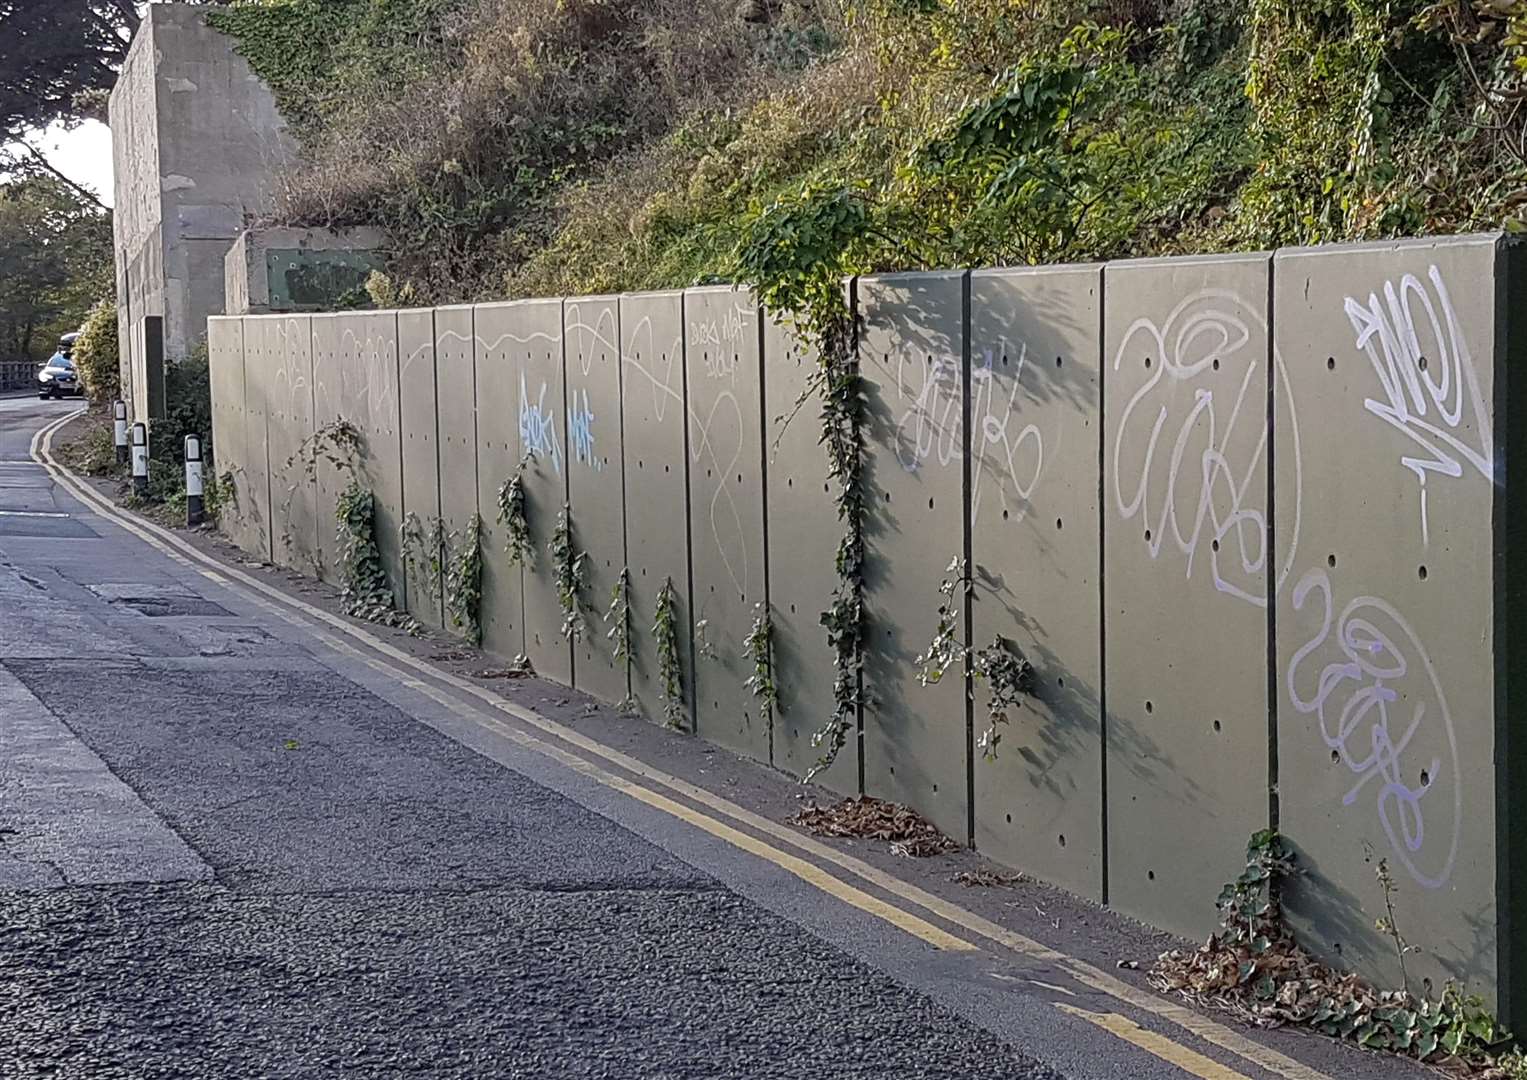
<point x="47" y="166"/>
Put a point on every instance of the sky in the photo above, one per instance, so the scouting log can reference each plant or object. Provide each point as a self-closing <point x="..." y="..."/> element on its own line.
<point x="83" y="155"/>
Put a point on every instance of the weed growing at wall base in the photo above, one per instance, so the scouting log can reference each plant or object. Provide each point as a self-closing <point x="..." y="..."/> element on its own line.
<point x="1253" y="968"/>
<point x="367" y="593"/>
<point x="463" y="581"/>
<point x="670" y="671"/>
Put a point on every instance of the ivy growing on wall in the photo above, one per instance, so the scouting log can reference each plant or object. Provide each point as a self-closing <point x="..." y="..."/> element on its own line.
<point x="618" y="617"/>
<point x="1001" y="665"/>
<point x="670" y="671"/>
<point x="463" y="581"/>
<point x="757" y="648"/>
<point x="366" y="591"/>
<point x="796" y="252"/>
<point x="568" y="564"/>
<point x="512" y="516"/>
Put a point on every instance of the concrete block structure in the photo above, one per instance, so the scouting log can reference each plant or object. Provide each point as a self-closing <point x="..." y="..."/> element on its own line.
<point x="269" y="271"/>
<point x="197" y="141"/>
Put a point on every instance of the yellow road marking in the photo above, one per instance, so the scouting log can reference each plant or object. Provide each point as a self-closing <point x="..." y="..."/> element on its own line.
<point x="1210" y="1031"/>
<point x="1158" y="1045"/>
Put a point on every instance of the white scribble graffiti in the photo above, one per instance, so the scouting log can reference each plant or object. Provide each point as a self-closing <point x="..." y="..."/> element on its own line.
<point x="1379" y="703"/>
<point x="580" y="430"/>
<point x="538" y="426"/>
<point x="1018" y="458"/>
<point x="1426" y="372"/>
<point x="1211" y="492"/>
<point x="931" y="423"/>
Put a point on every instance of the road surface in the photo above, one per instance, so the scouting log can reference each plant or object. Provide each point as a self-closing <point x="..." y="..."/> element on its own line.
<point x="235" y="842"/>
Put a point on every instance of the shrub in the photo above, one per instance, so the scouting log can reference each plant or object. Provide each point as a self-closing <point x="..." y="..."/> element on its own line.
<point x="97" y="356"/>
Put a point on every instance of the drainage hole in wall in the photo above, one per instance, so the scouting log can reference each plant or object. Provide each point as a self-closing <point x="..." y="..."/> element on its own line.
<point x="1422" y="363"/>
<point x="1214" y="544"/>
<point x="1059" y="524"/>
<point x="790" y="481"/>
<point x="930" y="504"/>
<point x="1151" y="874"/>
<point x="1062" y="839"/>
<point x="638" y="463"/>
<point x="712" y="588"/>
<point x="1331" y="561"/>
<point x="1010" y="819"/>
<point x="1422" y="573"/>
<point x="1004" y="359"/>
<point x="1147" y="536"/>
<point x="1426" y="778"/>
<point x="887" y="496"/>
<point x="792" y="609"/>
<point x="935" y="788"/>
<point x="739" y="478"/>
<point x="893" y="770"/>
<point x="707" y="472"/>
<point x="667" y="468"/>
<point x="1330" y="363"/>
<point x="1335" y="756"/>
<point x="1147" y="361"/>
<point x="824" y="487"/>
<point x="1216" y="363"/>
<point x="1004" y="515"/>
<point x="1061" y="683"/>
<point x="1149" y="707"/>
<point x="1216" y="725"/>
<point x="1057" y="361"/>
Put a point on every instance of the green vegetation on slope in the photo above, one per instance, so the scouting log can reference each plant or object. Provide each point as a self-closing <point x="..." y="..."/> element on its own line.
<point x="562" y="146"/>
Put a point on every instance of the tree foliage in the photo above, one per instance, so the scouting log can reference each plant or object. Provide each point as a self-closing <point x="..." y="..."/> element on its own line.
<point x="51" y="51"/>
<point x="55" y="260"/>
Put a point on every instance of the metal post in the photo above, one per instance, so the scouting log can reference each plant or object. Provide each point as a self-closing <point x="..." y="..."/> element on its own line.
<point x="195" y="512"/>
<point x="119" y="432"/>
<point x="140" y="460"/>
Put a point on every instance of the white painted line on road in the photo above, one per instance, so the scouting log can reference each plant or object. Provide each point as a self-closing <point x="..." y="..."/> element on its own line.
<point x="33" y="513"/>
<point x="1205" y="1028"/>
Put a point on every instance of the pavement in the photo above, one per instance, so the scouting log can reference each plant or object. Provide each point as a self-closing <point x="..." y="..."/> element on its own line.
<point x="243" y="836"/>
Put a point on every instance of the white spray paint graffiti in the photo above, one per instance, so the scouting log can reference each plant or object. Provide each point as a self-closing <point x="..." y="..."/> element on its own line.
<point x="1361" y="698"/>
<point x="1207" y="497"/>
<point x="538" y="426"/>
<point x="992" y="419"/>
<point x="931" y="422"/>
<point x="1431" y="390"/>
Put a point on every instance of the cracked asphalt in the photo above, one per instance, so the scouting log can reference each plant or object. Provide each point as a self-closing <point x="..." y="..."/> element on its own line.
<point x="221" y="857"/>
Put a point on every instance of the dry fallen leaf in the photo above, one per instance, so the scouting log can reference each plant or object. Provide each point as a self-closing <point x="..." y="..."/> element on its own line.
<point x="873" y="819"/>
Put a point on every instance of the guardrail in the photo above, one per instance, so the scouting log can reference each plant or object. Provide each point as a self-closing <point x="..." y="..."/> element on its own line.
<point x="16" y="374"/>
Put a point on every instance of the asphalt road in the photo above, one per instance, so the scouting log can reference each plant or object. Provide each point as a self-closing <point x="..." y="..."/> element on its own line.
<point x="231" y="848"/>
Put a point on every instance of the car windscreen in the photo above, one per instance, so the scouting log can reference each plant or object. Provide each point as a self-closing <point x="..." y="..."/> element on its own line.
<point x="61" y="362"/>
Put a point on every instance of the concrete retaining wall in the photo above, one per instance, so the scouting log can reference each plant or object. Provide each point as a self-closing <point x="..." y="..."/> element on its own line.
<point x="1247" y="516"/>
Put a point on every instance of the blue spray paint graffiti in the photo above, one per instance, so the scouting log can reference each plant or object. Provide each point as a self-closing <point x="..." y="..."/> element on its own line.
<point x="538" y="426"/>
<point x="580" y="431"/>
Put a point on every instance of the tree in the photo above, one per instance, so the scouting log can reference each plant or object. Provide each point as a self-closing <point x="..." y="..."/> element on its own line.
<point x="58" y="61"/>
<point x="55" y="261"/>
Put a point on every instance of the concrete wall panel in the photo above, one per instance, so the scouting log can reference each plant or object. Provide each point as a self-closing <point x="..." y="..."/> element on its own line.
<point x="261" y="360"/>
<point x="528" y="333"/>
<point x="368" y="367"/>
<point x="726" y="497"/>
<point x="1036" y="418"/>
<point x="803" y="533"/>
<point x="225" y="358"/>
<point x="596" y="486"/>
<point x="1185" y="580"/>
<point x="911" y="348"/>
<point x="456" y="392"/>
<point x="329" y="479"/>
<point x="500" y="365"/>
<point x="294" y="524"/>
<point x="1385" y="459"/>
<point x="657" y="536"/>
<point x="421" y="454"/>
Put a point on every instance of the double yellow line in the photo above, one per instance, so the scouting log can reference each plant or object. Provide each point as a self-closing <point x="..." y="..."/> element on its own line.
<point x="641" y="781"/>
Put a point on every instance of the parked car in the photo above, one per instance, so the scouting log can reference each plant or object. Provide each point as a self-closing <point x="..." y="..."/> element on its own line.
<point x="58" y="378"/>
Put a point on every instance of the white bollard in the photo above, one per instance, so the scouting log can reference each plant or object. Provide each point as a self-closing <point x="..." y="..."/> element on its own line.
<point x="195" y="510"/>
<point x="119" y="429"/>
<point x="140" y="460"/>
